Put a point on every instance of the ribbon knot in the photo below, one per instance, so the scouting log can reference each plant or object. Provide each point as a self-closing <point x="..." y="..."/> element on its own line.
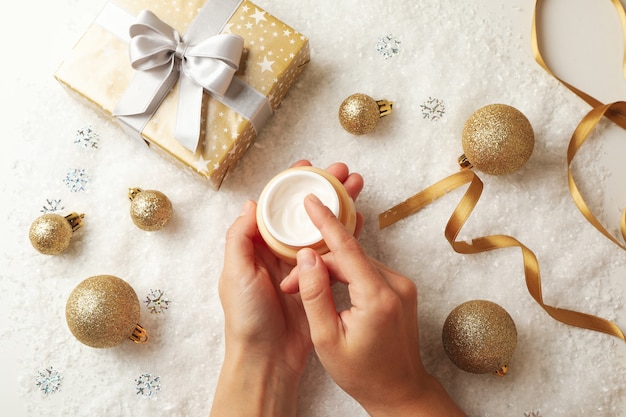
<point x="162" y="57"/>
<point x="181" y="49"/>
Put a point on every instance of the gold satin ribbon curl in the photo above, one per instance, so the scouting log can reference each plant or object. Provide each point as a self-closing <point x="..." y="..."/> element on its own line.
<point x="584" y="128"/>
<point x="616" y="112"/>
<point x="486" y="243"/>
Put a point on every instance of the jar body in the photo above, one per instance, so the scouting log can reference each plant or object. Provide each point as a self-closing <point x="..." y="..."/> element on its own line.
<point x="281" y="218"/>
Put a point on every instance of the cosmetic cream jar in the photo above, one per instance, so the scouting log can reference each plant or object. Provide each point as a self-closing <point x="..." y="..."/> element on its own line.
<point x="282" y="219"/>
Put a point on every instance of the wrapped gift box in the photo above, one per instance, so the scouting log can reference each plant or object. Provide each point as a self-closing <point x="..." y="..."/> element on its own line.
<point x="98" y="70"/>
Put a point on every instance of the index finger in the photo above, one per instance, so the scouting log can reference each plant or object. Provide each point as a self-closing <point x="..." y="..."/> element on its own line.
<point x="354" y="264"/>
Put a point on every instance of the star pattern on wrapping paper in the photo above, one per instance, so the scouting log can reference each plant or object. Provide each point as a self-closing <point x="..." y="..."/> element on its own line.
<point x="259" y="16"/>
<point x="201" y="164"/>
<point x="227" y="28"/>
<point x="233" y="150"/>
<point x="266" y="65"/>
<point x="269" y="44"/>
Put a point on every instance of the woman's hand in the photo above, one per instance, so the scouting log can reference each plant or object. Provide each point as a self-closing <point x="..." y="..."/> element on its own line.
<point x="371" y="349"/>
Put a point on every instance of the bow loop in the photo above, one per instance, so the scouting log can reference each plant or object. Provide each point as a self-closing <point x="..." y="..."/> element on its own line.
<point x="214" y="62"/>
<point x="147" y="52"/>
<point x="148" y="22"/>
<point x="161" y="56"/>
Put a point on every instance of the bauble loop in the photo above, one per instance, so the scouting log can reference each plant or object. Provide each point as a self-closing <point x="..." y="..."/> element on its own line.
<point x="497" y="139"/>
<point x="480" y="337"/>
<point x="359" y="113"/>
<point x="150" y="210"/>
<point x="103" y="311"/>
<point x="51" y="233"/>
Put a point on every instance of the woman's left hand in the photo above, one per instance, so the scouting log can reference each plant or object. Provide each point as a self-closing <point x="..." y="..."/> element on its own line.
<point x="266" y="329"/>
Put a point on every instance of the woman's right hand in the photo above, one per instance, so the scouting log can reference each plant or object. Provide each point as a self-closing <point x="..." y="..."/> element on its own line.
<point x="371" y="350"/>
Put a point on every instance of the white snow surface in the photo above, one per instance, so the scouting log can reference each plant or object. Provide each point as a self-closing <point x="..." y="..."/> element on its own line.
<point x="467" y="54"/>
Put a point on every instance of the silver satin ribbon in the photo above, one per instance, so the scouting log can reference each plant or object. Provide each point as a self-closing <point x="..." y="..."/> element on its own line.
<point x="202" y="60"/>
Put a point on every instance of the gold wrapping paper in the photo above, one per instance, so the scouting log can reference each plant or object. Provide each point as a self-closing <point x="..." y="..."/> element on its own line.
<point x="98" y="70"/>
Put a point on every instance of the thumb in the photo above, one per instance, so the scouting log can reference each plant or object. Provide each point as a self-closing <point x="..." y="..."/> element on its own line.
<point x="317" y="297"/>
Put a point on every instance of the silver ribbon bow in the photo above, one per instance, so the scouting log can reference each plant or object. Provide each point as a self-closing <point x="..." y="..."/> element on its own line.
<point x="162" y="57"/>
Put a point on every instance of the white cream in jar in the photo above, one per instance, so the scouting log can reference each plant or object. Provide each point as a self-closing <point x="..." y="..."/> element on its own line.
<point x="283" y="221"/>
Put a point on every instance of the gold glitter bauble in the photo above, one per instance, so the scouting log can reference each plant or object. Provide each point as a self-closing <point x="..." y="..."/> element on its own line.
<point x="103" y="311"/>
<point x="498" y="139"/>
<point x="51" y="233"/>
<point x="359" y="113"/>
<point x="149" y="209"/>
<point x="480" y="337"/>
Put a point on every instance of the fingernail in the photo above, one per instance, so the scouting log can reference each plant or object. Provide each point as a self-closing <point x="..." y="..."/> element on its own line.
<point x="306" y="260"/>
<point x="314" y="198"/>
<point x="245" y="209"/>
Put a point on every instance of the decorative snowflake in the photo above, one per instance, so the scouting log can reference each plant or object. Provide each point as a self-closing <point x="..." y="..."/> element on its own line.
<point x="87" y="138"/>
<point x="388" y="46"/>
<point x="76" y="180"/>
<point x="433" y="109"/>
<point x="49" y="380"/>
<point x="157" y="301"/>
<point x="52" y="206"/>
<point x="532" y="414"/>
<point x="148" y="385"/>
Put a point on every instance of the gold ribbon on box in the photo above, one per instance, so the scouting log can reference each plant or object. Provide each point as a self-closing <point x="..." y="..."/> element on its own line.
<point x="201" y="60"/>
<point x="487" y="243"/>
<point x="616" y="112"/>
